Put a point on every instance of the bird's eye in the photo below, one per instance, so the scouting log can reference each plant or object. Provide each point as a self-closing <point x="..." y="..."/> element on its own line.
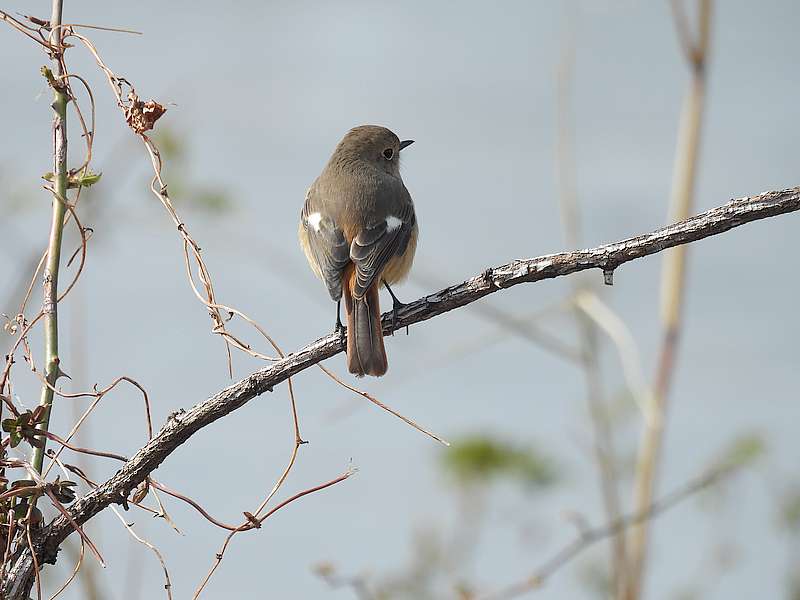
<point x="388" y="154"/>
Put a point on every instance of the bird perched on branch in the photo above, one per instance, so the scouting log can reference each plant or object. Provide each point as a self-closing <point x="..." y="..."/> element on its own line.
<point x="358" y="230"/>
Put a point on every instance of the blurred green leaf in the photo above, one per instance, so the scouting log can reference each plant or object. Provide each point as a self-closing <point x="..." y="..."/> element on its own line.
<point x="482" y="457"/>
<point x="595" y="578"/>
<point x="687" y="594"/>
<point x="793" y="586"/>
<point x="170" y="144"/>
<point x="211" y="199"/>
<point x="743" y="451"/>
<point x="183" y="185"/>
<point x="790" y="511"/>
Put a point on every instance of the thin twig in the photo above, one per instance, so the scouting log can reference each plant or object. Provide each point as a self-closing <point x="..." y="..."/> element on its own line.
<point x="4" y="16"/>
<point x="104" y="28"/>
<point x="74" y="573"/>
<point x="383" y="406"/>
<point x="37" y="574"/>
<point x="284" y="475"/>
<point x="98" y="396"/>
<point x="194" y="504"/>
<point x="144" y="542"/>
<point x="52" y="436"/>
<point x="256" y="522"/>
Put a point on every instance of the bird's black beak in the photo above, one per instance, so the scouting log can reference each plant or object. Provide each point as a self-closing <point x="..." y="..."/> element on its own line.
<point x="405" y="143"/>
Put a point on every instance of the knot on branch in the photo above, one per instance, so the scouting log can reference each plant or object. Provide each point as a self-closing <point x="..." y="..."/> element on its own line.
<point x="252" y="520"/>
<point x="488" y="277"/>
<point x="47" y="549"/>
<point x="49" y="305"/>
<point x="175" y="416"/>
<point x="121" y="497"/>
<point x="608" y="266"/>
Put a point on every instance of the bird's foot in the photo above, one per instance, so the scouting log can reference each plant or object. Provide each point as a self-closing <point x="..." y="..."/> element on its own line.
<point x="339" y="328"/>
<point x="396" y="306"/>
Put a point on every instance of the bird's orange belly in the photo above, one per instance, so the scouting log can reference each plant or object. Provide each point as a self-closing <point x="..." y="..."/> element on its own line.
<point x="398" y="266"/>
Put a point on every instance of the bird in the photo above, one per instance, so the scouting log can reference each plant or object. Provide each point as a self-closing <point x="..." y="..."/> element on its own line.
<point x="358" y="230"/>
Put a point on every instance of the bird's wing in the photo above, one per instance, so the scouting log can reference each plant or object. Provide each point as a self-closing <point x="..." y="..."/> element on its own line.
<point x="376" y="244"/>
<point x="327" y="244"/>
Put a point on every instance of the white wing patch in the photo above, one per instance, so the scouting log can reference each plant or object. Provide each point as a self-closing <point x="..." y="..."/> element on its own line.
<point x="392" y="223"/>
<point x="314" y="219"/>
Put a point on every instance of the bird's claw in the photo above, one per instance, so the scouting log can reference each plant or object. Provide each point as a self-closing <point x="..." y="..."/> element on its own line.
<point x="396" y="306"/>
<point x="339" y="328"/>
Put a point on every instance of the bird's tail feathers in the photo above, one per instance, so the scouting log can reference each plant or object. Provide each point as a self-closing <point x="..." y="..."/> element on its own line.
<point x="366" y="354"/>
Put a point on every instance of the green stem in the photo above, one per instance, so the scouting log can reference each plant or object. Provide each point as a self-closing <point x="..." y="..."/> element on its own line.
<point x="50" y="305"/>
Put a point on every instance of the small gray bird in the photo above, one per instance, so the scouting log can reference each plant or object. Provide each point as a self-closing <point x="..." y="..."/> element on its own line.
<point x="358" y="230"/>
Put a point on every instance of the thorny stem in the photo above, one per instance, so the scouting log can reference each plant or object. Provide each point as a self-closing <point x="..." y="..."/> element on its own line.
<point x="50" y="307"/>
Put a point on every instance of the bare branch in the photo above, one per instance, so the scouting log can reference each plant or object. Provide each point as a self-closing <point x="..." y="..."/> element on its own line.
<point x="24" y="29"/>
<point x="181" y="425"/>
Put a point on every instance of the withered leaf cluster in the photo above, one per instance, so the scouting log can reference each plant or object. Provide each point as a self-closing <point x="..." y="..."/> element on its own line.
<point x="142" y="116"/>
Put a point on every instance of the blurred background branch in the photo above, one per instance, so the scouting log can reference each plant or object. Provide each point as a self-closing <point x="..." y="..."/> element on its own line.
<point x="566" y="178"/>
<point x="742" y="453"/>
<point x="673" y="282"/>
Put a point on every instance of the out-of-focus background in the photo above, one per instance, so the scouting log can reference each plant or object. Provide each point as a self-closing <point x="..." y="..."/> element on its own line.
<point x="258" y="94"/>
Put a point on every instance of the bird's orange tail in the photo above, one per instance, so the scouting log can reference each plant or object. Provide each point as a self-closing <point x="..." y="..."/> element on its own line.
<point x="366" y="354"/>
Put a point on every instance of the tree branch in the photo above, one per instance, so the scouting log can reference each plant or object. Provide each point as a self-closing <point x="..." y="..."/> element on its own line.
<point x="181" y="425"/>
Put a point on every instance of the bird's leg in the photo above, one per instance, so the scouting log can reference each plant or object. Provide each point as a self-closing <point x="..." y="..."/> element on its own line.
<point x="339" y="328"/>
<point x="396" y="305"/>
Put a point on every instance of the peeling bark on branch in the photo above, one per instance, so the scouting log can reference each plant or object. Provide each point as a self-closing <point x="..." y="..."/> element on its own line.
<point x="182" y="425"/>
